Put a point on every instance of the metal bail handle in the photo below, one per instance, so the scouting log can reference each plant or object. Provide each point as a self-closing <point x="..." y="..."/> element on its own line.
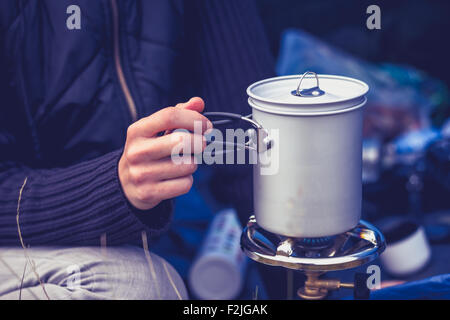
<point x="310" y="92"/>
<point x="263" y="141"/>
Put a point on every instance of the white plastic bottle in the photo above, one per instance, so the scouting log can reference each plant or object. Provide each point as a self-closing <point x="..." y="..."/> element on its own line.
<point x="218" y="271"/>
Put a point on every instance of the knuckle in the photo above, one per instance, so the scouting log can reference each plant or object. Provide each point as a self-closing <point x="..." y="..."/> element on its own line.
<point x="132" y="155"/>
<point x="136" y="176"/>
<point x="142" y="195"/>
<point x="145" y="194"/>
<point x="180" y="135"/>
<point x="181" y="139"/>
<point x="170" y="111"/>
<point x="131" y="131"/>
<point x="171" y="114"/>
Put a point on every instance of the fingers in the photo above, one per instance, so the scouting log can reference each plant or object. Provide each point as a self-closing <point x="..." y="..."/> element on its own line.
<point x="151" y="194"/>
<point x="162" y="170"/>
<point x="147" y="196"/>
<point x="194" y="104"/>
<point x="175" y="143"/>
<point x="167" y="169"/>
<point x="175" y="187"/>
<point x="151" y="168"/>
<point x="170" y="119"/>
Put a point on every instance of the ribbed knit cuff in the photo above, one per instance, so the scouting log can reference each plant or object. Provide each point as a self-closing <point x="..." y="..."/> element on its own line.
<point x="77" y="205"/>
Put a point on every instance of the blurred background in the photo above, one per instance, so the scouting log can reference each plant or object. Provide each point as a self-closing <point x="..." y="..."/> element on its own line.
<point x="413" y="31"/>
<point x="406" y="150"/>
<point x="407" y="68"/>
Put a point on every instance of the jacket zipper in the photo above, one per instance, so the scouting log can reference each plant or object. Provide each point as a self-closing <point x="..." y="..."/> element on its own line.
<point x="118" y="64"/>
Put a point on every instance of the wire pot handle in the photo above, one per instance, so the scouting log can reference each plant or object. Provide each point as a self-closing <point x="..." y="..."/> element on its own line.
<point x="263" y="141"/>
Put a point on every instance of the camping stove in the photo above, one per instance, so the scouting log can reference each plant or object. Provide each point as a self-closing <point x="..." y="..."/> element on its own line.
<point x="316" y="256"/>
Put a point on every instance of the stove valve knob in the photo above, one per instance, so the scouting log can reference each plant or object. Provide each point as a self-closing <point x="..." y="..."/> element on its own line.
<point x="360" y="290"/>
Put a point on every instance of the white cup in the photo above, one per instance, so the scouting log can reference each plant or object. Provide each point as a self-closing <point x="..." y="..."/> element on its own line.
<point x="407" y="250"/>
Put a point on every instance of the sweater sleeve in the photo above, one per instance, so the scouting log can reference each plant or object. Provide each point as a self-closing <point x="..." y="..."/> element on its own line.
<point x="231" y="53"/>
<point x="73" y="206"/>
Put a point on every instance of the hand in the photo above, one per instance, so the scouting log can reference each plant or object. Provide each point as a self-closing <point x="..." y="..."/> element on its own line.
<point x="146" y="171"/>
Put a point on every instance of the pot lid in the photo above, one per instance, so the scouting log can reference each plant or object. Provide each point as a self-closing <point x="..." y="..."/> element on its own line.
<point x="309" y="92"/>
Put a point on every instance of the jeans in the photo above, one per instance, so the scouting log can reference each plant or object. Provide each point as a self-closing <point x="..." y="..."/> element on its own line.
<point x="87" y="273"/>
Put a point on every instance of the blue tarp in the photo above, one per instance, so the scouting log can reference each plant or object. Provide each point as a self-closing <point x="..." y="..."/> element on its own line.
<point x="437" y="287"/>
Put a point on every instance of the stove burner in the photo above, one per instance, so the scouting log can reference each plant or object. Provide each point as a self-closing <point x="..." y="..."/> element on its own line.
<point x="315" y="256"/>
<point x="315" y="243"/>
<point x="347" y="250"/>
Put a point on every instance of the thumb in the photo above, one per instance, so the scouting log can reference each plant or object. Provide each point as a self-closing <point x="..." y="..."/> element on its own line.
<point x="194" y="104"/>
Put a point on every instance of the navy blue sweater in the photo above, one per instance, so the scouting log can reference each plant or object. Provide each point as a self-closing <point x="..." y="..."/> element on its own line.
<point x="64" y="108"/>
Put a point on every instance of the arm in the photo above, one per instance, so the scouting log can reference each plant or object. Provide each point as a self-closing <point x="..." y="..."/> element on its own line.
<point x="118" y="194"/>
<point x="73" y="205"/>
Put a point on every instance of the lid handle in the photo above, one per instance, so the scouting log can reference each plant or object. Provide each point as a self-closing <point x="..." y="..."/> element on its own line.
<point x="310" y="92"/>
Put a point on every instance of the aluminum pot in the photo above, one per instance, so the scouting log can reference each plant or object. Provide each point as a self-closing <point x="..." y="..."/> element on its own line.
<point x="311" y="185"/>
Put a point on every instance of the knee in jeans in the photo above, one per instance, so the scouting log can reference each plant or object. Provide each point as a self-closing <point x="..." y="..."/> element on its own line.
<point x="127" y="273"/>
<point x="165" y="280"/>
<point x="158" y="280"/>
